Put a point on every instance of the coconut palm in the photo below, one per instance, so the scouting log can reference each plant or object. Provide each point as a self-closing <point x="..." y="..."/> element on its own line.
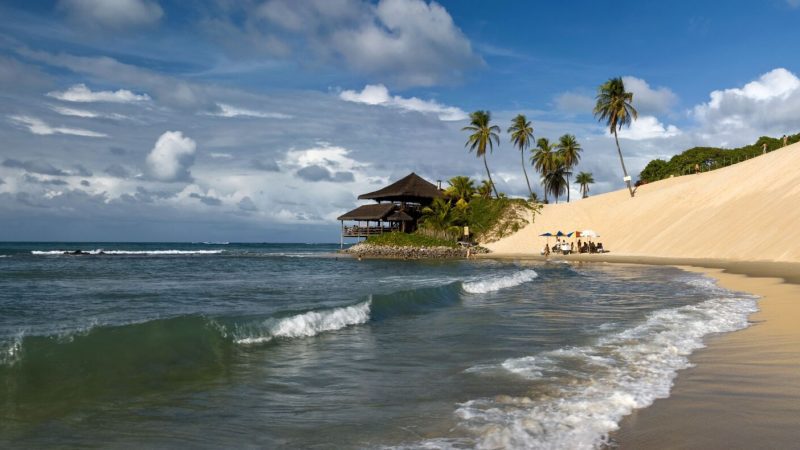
<point x="555" y="180"/>
<point x="483" y="135"/>
<point x="543" y="159"/>
<point x="521" y="135"/>
<point x="461" y="188"/>
<point x="614" y="106"/>
<point x="584" y="179"/>
<point x="570" y="151"/>
<point x="485" y="189"/>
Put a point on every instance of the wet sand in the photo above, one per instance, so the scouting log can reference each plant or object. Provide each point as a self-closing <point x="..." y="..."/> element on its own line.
<point x="744" y="388"/>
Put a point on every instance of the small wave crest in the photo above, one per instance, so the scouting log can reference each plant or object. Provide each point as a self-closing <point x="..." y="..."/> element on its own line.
<point x="601" y="383"/>
<point x="306" y="324"/>
<point x="101" y="251"/>
<point x="495" y="283"/>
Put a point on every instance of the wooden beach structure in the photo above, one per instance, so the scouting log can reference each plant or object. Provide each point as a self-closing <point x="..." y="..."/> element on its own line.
<point x="398" y="208"/>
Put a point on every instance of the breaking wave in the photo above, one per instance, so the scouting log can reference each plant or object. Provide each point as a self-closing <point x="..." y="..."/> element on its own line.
<point x="599" y="384"/>
<point x="495" y="283"/>
<point x="101" y="251"/>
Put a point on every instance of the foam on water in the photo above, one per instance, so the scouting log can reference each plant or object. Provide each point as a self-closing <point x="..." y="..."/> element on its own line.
<point x="10" y="351"/>
<point x="306" y="324"/>
<point x="601" y="383"/>
<point x="495" y="283"/>
<point x="100" y="251"/>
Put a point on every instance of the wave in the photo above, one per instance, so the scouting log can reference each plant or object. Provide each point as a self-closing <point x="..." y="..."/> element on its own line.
<point x="101" y="251"/>
<point x="601" y="383"/>
<point x="307" y="324"/>
<point x="5" y="256"/>
<point x="495" y="283"/>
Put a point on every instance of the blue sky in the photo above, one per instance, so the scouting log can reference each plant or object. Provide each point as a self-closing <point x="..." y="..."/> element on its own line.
<point x="261" y="120"/>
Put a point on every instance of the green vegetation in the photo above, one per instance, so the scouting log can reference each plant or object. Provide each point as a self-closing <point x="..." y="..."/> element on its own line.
<point x="555" y="162"/>
<point x="707" y="158"/>
<point x="521" y="133"/>
<point x="399" y="239"/>
<point x="483" y="135"/>
<point x="614" y="106"/>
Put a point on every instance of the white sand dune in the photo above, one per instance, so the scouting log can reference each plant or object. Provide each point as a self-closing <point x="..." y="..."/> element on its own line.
<point x="748" y="211"/>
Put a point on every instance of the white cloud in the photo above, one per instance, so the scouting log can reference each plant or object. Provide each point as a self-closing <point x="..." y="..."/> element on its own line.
<point x="648" y="127"/>
<point x="171" y="157"/>
<point x="38" y="126"/>
<point x="647" y="100"/>
<point x="412" y="42"/>
<point x="113" y="13"/>
<point x="770" y="104"/>
<point x="226" y="110"/>
<point x="573" y="103"/>
<point x="219" y="155"/>
<point x="378" y="94"/>
<point x="82" y="94"/>
<point x="793" y="3"/>
<point x="86" y="114"/>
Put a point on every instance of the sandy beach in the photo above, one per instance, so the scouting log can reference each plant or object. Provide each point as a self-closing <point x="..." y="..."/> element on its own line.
<point x="736" y="225"/>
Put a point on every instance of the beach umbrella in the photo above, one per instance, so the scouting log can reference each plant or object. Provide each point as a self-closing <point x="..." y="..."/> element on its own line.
<point x="560" y="234"/>
<point x="548" y="234"/>
<point x="589" y="233"/>
<point x="570" y="233"/>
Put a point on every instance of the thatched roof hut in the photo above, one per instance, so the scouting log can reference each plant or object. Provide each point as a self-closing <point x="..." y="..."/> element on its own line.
<point x="409" y="189"/>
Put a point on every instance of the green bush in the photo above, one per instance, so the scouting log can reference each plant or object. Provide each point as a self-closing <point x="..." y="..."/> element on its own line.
<point x="408" y="240"/>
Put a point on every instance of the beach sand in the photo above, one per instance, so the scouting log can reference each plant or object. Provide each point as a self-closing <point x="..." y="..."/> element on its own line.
<point x="736" y="224"/>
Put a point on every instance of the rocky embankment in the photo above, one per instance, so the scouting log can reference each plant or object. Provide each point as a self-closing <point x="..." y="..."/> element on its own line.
<point x="364" y="250"/>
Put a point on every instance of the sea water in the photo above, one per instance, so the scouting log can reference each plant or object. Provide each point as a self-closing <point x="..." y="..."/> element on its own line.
<point x="294" y="346"/>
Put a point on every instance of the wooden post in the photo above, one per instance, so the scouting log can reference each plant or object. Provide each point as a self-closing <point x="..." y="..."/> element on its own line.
<point x="341" y="237"/>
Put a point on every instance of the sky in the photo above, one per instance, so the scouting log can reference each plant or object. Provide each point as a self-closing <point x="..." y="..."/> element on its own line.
<point x="262" y="120"/>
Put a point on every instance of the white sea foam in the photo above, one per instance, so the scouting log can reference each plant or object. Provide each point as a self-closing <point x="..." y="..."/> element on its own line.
<point x="601" y="383"/>
<point x="130" y="252"/>
<point x="495" y="283"/>
<point x="306" y="324"/>
<point x="5" y="256"/>
<point x="10" y="350"/>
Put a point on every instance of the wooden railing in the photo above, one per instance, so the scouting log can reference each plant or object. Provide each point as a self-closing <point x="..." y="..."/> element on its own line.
<point x="355" y="231"/>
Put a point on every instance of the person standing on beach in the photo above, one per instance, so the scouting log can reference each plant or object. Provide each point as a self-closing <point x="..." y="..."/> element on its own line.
<point x="764" y="149"/>
<point x="785" y="140"/>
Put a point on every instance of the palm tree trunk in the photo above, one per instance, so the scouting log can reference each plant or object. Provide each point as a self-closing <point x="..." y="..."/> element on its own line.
<point x="489" y="175"/>
<point x="624" y="170"/>
<point x="567" y="188"/>
<point x="522" y="156"/>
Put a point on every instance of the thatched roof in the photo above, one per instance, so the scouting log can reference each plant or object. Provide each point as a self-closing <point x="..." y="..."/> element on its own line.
<point x="411" y="188"/>
<point x="399" y="216"/>
<point x="369" y="212"/>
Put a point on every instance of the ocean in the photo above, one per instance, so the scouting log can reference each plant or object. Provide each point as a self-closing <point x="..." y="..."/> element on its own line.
<point x="224" y="345"/>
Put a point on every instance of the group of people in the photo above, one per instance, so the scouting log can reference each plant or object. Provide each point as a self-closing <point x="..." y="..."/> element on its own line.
<point x="571" y="247"/>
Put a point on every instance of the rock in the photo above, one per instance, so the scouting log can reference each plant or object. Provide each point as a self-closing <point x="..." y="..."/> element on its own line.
<point x="406" y="252"/>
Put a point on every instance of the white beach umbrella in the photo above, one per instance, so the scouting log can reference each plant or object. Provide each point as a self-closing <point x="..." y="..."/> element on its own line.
<point x="589" y="233"/>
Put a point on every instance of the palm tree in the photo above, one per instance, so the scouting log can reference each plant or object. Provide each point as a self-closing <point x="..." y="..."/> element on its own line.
<point x="570" y="150"/>
<point x="521" y="135"/>
<point x="483" y="135"/>
<point x="614" y="106"/>
<point x="543" y="159"/>
<point x="555" y="180"/>
<point x="461" y="187"/>
<point x="584" y="179"/>
<point x="438" y="215"/>
<point x="485" y="189"/>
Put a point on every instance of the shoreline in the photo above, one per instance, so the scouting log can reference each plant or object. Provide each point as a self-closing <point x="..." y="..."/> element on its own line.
<point x="743" y="389"/>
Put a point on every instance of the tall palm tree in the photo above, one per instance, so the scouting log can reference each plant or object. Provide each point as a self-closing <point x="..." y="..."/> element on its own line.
<point x="521" y="136"/>
<point x="483" y="135"/>
<point x="555" y="180"/>
<point x="614" y="106"/>
<point x="461" y="187"/>
<point x="570" y="151"/>
<point x="584" y="179"/>
<point x="543" y="159"/>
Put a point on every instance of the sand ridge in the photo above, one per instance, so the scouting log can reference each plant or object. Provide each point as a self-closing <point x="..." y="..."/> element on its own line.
<point x="747" y="212"/>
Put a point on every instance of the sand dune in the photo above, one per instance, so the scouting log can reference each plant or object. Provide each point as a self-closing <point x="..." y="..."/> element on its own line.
<point x="749" y="212"/>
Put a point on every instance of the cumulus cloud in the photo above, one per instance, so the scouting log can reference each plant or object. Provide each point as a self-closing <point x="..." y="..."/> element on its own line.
<point x="33" y="179"/>
<point x="171" y="157"/>
<point x="117" y="171"/>
<point x="648" y="127"/>
<point x="82" y="94"/>
<point x="412" y="42"/>
<point x="267" y="165"/>
<point x="770" y="104"/>
<point x="247" y="204"/>
<point x="38" y="126"/>
<point x="226" y="110"/>
<point x="316" y="173"/>
<point x="113" y="14"/>
<point x="206" y="199"/>
<point x="378" y="94"/>
<point x="648" y="100"/>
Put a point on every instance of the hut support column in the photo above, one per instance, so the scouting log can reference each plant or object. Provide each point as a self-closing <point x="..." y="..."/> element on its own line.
<point x="341" y="237"/>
